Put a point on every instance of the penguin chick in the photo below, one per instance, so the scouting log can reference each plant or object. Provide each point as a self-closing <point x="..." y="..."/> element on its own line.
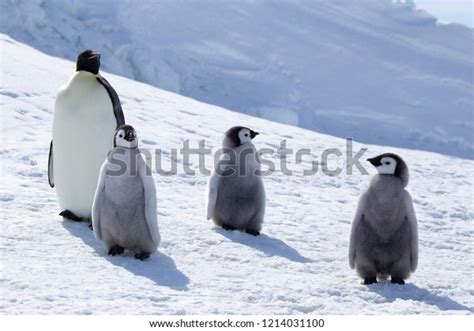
<point x="235" y="191"/>
<point x="124" y="211"/>
<point x="384" y="235"/>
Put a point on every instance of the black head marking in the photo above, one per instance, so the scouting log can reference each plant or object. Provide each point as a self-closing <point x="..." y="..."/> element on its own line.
<point x="401" y="170"/>
<point x="233" y="135"/>
<point x="88" y="61"/>
<point x="129" y="133"/>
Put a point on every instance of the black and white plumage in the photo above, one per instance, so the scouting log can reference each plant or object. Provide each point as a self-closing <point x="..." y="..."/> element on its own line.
<point x="235" y="191"/>
<point x="87" y="113"/>
<point x="124" y="212"/>
<point x="384" y="235"/>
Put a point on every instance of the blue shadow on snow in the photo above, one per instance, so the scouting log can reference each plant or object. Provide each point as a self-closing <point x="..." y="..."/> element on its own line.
<point x="160" y="268"/>
<point x="268" y="245"/>
<point x="412" y="292"/>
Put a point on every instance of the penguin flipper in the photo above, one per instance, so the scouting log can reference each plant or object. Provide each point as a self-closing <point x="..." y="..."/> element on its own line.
<point x="211" y="194"/>
<point x="411" y="217"/>
<point x="96" y="204"/>
<point x="355" y="223"/>
<point x="50" y="165"/>
<point x="150" y="200"/>
<point x="118" y="112"/>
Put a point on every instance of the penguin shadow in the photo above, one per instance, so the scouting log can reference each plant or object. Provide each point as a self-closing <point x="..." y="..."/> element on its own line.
<point x="161" y="268"/>
<point x="414" y="293"/>
<point x="268" y="245"/>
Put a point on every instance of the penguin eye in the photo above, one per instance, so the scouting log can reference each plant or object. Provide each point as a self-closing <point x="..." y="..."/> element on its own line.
<point x="246" y="134"/>
<point x="121" y="135"/>
<point x="387" y="162"/>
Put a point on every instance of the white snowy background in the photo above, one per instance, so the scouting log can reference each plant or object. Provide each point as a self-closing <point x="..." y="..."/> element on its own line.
<point x="299" y="264"/>
<point x="381" y="72"/>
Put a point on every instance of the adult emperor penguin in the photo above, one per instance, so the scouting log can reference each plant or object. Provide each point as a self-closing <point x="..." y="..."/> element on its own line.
<point x="384" y="236"/>
<point x="124" y="208"/>
<point x="235" y="192"/>
<point x="87" y="113"/>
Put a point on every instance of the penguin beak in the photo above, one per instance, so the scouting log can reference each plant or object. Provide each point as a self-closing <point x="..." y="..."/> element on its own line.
<point x="375" y="161"/>
<point x="253" y="134"/>
<point x="130" y="136"/>
<point x="94" y="56"/>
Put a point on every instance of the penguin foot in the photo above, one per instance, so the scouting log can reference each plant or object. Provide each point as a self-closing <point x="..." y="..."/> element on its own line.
<point x="252" y="232"/>
<point x="370" y="280"/>
<point x="228" y="227"/>
<point x="116" y="250"/>
<point x="142" y="256"/>
<point x="67" y="214"/>
<point x="397" y="280"/>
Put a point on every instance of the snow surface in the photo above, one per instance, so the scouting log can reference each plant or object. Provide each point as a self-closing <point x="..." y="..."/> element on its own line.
<point x="378" y="71"/>
<point x="298" y="265"/>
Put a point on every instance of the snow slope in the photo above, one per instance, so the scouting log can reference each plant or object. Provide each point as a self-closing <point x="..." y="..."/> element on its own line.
<point x="299" y="264"/>
<point x="381" y="72"/>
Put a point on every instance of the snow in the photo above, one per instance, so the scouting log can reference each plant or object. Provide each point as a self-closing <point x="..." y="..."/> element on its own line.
<point x="379" y="71"/>
<point x="299" y="265"/>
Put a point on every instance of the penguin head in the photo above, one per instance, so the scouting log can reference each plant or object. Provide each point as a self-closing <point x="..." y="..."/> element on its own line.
<point x="238" y="135"/>
<point x="88" y="61"/>
<point x="125" y="136"/>
<point x="391" y="164"/>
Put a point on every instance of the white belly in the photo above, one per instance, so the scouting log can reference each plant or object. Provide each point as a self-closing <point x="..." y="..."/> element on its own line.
<point x="83" y="129"/>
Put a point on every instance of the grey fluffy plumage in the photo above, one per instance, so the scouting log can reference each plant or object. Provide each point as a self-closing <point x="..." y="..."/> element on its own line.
<point x="236" y="194"/>
<point x="384" y="237"/>
<point x="124" y="209"/>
